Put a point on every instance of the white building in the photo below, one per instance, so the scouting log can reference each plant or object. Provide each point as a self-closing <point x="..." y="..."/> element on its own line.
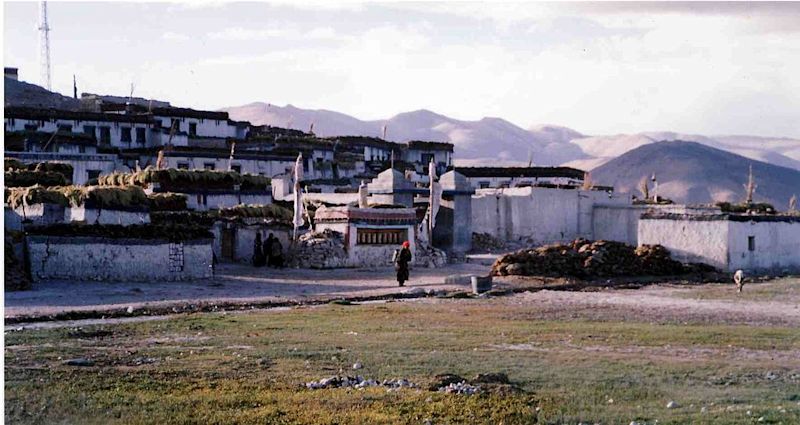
<point x="422" y="153"/>
<point x="755" y="243"/>
<point x="505" y="177"/>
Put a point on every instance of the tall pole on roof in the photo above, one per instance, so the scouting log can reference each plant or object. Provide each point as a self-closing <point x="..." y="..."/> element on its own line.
<point x="44" y="46"/>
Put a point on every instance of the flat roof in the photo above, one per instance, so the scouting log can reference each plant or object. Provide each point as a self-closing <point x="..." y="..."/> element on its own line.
<point x="742" y="218"/>
<point x="532" y="172"/>
<point x="30" y="113"/>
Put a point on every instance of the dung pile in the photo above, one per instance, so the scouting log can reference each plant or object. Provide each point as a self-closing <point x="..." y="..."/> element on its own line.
<point x="588" y="259"/>
<point x="318" y="250"/>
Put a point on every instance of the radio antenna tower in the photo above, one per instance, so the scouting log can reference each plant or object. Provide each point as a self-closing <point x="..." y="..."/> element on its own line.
<point x="44" y="46"/>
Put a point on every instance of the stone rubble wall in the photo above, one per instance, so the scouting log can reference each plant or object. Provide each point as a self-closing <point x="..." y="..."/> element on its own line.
<point x="122" y="260"/>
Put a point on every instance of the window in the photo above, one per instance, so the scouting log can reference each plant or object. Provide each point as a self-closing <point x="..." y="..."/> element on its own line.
<point x="105" y="135"/>
<point x="183" y="165"/>
<point x="89" y="129"/>
<point x="65" y="128"/>
<point x="751" y="243"/>
<point x="140" y="136"/>
<point x="176" y="123"/>
<point x="237" y="168"/>
<point x="92" y="174"/>
<point x="125" y="134"/>
<point x="31" y="127"/>
<point x="380" y="236"/>
<point x="193" y="129"/>
<point x="484" y="184"/>
<point x="209" y="166"/>
<point x="427" y="158"/>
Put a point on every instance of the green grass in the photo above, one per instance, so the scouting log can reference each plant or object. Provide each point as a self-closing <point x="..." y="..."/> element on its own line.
<point x="207" y="368"/>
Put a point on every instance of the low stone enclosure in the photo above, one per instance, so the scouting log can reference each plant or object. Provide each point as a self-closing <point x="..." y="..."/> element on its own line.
<point x="594" y="259"/>
<point x="119" y="253"/>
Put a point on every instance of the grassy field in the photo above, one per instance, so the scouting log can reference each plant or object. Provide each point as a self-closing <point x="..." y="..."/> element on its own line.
<point x="250" y="367"/>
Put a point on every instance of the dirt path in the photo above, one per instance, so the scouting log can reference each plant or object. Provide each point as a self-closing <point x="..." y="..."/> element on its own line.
<point x="233" y="284"/>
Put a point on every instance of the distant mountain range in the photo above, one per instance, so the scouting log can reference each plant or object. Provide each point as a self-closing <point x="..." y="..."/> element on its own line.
<point x="499" y="142"/>
<point x="690" y="172"/>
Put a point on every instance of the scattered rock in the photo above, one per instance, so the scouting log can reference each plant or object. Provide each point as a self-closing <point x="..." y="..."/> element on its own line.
<point x="672" y="405"/>
<point x="444" y="380"/>
<point x="264" y="362"/>
<point x="81" y="362"/>
<point x="130" y="309"/>
<point x="357" y="365"/>
<point x="358" y="382"/>
<point x="462" y="388"/>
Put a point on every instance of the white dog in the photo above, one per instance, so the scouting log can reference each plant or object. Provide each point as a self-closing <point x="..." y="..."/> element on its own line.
<point x="738" y="278"/>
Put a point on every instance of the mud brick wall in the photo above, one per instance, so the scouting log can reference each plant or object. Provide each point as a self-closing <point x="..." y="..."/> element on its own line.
<point x="121" y="260"/>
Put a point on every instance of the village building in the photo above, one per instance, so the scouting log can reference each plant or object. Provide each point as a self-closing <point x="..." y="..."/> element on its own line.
<point x="755" y="243"/>
<point x="421" y="153"/>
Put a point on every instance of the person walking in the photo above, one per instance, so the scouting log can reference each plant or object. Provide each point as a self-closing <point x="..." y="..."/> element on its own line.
<point x="401" y="259"/>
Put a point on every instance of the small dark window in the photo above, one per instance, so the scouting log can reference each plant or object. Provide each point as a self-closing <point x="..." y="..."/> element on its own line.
<point x="105" y="135"/>
<point x="751" y="243"/>
<point x="484" y="184"/>
<point x="125" y="134"/>
<point x="31" y="127"/>
<point x="176" y="124"/>
<point x="237" y="168"/>
<point x="427" y="158"/>
<point x="92" y="174"/>
<point x="209" y="166"/>
<point x="183" y="165"/>
<point x="140" y="135"/>
<point x="89" y="129"/>
<point x="65" y="128"/>
<point x="193" y="129"/>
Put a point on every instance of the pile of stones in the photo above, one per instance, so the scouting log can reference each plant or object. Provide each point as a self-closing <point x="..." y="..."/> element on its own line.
<point x="462" y="388"/>
<point x="484" y="242"/>
<point x="318" y="250"/>
<point x="359" y="382"/>
<point x="590" y="259"/>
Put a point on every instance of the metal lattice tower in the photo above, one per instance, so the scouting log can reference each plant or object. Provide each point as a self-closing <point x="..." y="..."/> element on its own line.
<point x="44" y="46"/>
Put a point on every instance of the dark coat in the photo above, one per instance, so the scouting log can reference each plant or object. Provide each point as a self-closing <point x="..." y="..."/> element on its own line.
<point x="401" y="264"/>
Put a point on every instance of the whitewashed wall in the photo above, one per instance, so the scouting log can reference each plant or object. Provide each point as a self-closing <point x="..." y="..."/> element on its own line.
<point x="704" y="241"/>
<point x="541" y="215"/>
<point x="121" y="260"/>
<point x="248" y="166"/>
<point x="107" y="216"/>
<point x="81" y="163"/>
<point x="777" y="246"/>
<point x="115" y="129"/>
<point x="245" y="236"/>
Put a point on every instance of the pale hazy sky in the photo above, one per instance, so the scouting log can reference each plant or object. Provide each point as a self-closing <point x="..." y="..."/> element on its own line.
<point x="607" y="68"/>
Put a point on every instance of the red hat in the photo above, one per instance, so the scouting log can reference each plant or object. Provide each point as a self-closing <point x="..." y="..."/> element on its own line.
<point x="406" y="244"/>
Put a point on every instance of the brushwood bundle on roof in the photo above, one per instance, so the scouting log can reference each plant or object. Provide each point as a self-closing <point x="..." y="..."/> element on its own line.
<point x="272" y="211"/>
<point x="25" y="178"/>
<point x="171" y="232"/>
<point x="167" y="202"/>
<point x="176" y="180"/>
<point x="105" y="197"/>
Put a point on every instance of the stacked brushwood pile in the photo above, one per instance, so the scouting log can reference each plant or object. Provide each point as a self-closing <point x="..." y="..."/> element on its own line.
<point x="589" y="259"/>
<point x="484" y="242"/>
<point x="318" y="250"/>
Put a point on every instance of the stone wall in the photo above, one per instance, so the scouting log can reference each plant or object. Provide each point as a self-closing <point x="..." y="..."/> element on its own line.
<point x="128" y="260"/>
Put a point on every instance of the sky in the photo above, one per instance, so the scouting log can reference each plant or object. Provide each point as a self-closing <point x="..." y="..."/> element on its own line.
<point x="599" y="68"/>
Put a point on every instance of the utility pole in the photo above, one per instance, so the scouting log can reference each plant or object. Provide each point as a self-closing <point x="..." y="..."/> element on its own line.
<point x="44" y="46"/>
